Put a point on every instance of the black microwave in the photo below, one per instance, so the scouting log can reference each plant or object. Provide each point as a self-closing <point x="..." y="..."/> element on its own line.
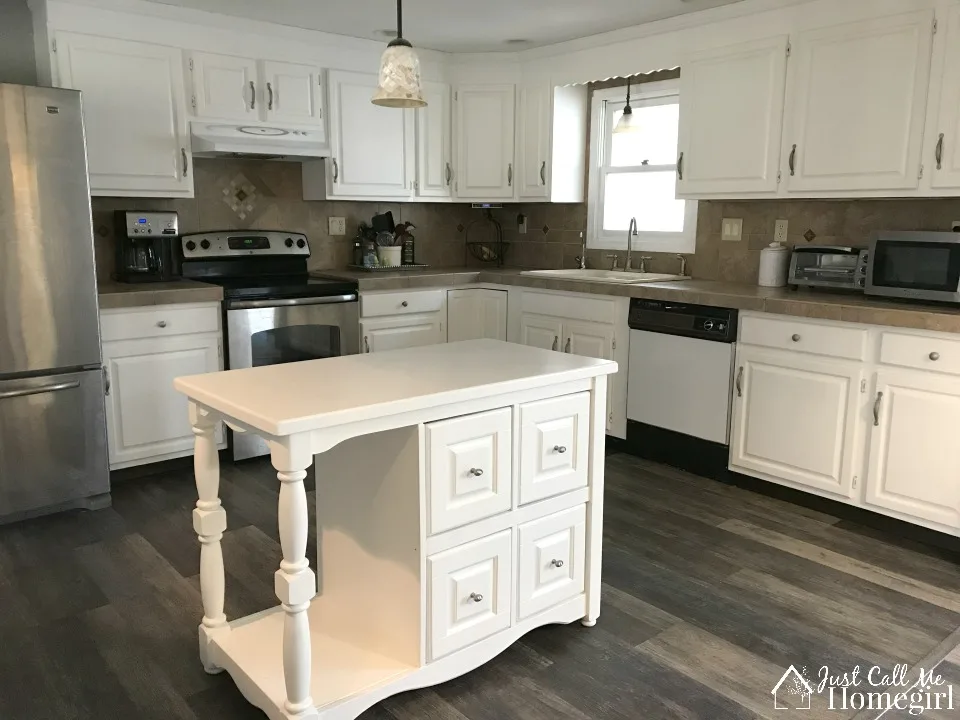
<point x="915" y="266"/>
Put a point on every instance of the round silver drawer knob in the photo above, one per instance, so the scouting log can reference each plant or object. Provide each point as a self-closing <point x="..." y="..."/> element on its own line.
<point x="557" y="563"/>
<point x="404" y="304"/>
<point x="934" y="356"/>
<point x="476" y="597"/>
<point x="560" y="449"/>
<point x="795" y="338"/>
<point x="477" y="472"/>
<point x="162" y="324"/>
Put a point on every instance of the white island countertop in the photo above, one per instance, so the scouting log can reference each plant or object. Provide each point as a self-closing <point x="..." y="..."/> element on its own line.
<point x="298" y="397"/>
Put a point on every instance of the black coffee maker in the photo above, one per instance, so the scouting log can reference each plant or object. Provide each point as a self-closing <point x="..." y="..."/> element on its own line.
<point x="148" y="247"/>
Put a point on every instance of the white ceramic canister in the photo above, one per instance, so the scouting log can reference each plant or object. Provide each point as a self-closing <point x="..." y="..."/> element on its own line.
<point x="774" y="263"/>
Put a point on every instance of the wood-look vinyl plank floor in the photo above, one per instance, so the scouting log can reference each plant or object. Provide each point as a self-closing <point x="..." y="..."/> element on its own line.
<point x="709" y="592"/>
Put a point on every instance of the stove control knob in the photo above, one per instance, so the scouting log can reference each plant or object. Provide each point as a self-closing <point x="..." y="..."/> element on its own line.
<point x="301" y="243"/>
<point x="205" y="244"/>
<point x="708" y="325"/>
<point x="288" y="242"/>
<point x="191" y="245"/>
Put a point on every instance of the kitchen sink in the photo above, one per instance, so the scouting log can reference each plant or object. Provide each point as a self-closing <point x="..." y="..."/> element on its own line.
<point x="605" y="276"/>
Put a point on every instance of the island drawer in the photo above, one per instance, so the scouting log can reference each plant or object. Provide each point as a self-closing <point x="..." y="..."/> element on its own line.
<point x="401" y="303"/>
<point x="554" y="446"/>
<point x="551" y="558"/>
<point x="469" y="593"/>
<point x="922" y="352"/>
<point x="802" y="336"/>
<point x="469" y="468"/>
<point x="159" y="321"/>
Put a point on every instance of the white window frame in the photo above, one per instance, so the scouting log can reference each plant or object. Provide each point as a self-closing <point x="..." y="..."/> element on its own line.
<point x="611" y="100"/>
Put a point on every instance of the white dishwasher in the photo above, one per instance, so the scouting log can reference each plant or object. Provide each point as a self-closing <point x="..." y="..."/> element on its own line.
<point x="679" y="381"/>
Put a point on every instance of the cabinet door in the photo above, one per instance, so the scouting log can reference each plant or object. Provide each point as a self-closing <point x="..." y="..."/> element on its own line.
<point x="435" y="143"/>
<point x="540" y="331"/>
<point x="731" y="118"/>
<point x="485" y="141"/>
<point x="146" y="417"/>
<point x="473" y="314"/>
<point x="946" y="153"/>
<point x="372" y="146"/>
<point x="401" y="332"/>
<point x="914" y="455"/>
<point x="596" y="341"/>
<point x="856" y="105"/>
<point x="292" y="93"/>
<point x="796" y="418"/>
<point x="224" y="87"/>
<point x="533" y="152"/>
<point x="134" y="113"/>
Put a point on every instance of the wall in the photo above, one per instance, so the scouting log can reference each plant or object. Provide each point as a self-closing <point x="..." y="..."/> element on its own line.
<point x="272" y="198"/>
<point x="17" y="60"/>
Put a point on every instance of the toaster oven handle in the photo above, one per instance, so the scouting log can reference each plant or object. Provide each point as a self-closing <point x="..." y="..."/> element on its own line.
<point x="291" y="302"/>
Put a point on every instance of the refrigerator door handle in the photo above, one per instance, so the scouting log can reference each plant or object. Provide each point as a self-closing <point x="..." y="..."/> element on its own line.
<point x="73" y="385"/>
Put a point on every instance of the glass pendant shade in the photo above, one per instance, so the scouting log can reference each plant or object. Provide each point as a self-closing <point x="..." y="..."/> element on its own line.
<point x="399" y="85"/>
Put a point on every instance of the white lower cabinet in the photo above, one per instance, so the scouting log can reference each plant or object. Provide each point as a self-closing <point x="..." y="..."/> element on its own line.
<point x="914" y="453"/>
<point x="540" y="331"/>
<point x="476" y="313"/>
<point x="380" y="334"/>
<point x="552" y="554"/>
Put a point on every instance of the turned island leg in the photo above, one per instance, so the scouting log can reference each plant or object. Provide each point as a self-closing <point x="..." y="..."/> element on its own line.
<point x="209" y="522"/>
<point x="294" y="583"/>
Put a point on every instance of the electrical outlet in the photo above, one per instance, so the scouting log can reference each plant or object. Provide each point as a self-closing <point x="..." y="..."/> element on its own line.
<point x="732" y="229"/>
<point x="956" y="226"/>
<point x="338" y="225"/>
<point x="522" y="224"/>
<point x="780" y="231"/>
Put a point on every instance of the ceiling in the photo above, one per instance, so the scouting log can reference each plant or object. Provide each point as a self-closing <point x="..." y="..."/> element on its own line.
<point x="459" y="25"/>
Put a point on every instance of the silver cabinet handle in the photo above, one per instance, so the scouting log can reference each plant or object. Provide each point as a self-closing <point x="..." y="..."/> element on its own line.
<point x="557" y="563"/>
<point x="740" y="382"/>
<point x="366" y="344"/>
<point x="162" y="324"/>
<point x="510" y="175"/>
<point x="336" y="170"/>
<point x="543" y="172"/>
<point x="793" y="161"/>
<point x="556" y="342"/>
<point x="934" y="356"/>
<point x="940" y="152"/>
<point x="795" y="337"/>
<point x="253" y="96"/>
<point x="680" y="167"/>
<point x="449" y="174"/>
<point x="566" y="348"/>
<point x="183" y="158"/>
<point x="72" y="385"/>
<point x="476" y="472"/>
<point x="269" y="96"/>
<point x="476" y="597"/>
<point x="560" y="449"/>
<point x="876" y="409"/>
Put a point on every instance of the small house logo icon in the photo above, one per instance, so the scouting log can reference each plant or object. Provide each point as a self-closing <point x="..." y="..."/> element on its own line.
<point x="793" y="692"/>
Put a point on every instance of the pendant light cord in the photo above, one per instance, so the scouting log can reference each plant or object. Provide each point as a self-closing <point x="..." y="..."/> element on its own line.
<point x="399" y="19"/>
<point x="628" y="91"/>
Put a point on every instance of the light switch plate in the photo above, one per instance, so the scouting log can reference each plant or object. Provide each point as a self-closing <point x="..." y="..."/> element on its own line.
<point x="338" y="226"/>
<point x="732" y="229"/>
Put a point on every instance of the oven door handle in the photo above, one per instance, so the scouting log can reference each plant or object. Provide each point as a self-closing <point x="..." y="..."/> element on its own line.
<point x="291" y="302"/>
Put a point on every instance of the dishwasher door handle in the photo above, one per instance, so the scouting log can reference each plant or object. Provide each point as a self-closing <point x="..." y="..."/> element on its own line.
<point x="740" y="382"/>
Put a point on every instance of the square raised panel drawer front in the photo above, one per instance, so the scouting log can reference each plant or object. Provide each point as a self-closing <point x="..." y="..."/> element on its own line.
<point x="554" y="435"/>
<point x="469" y="593"/>
<point x="551" y="559"/>
<point x="468" y="468"/>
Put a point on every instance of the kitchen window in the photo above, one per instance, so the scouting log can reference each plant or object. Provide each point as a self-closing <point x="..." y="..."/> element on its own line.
<point x="635" y="174"/>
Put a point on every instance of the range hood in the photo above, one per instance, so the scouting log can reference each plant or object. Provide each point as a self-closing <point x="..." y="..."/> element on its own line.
<point x="275" y="143"/>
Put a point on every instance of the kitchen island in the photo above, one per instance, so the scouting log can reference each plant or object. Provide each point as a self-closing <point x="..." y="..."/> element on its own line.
<point x="459" y="506"/>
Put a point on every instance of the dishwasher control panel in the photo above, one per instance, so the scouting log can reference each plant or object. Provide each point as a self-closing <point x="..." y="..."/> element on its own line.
<point x="684" y="319"/>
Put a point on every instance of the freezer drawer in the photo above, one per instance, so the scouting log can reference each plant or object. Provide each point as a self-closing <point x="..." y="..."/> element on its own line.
<point x="53" y="451"/>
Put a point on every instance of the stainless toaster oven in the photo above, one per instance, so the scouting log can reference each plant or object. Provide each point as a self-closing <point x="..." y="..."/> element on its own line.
<point x="828" y="266"/>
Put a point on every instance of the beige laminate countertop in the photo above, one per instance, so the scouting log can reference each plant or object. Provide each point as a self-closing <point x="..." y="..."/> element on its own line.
<point x="782" y="301"/>
<point x="114" y="295"/>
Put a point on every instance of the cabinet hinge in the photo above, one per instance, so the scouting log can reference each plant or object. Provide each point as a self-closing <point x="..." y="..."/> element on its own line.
<point x="789" y="49"/>
<point x="193" y="101"/>
<point x="191" y="64"/>
<point x="614" y="343"/>
<point x="456" y="96"/>
<point x="921" y="172"/>
<point x="54" y="44"/>
<point x="863" y="387"/>
<point x="779" y="176"/>
<point x="936" y="26"/>
<point x="220" y="353"/>
<point x="855" y="480"/>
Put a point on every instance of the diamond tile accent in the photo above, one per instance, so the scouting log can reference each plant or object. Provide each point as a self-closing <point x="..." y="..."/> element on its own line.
<point x="460" y="227"/>
<point x="545" y="229"/>
<point x="809" y="235"/>
<point x="241" y="196"/>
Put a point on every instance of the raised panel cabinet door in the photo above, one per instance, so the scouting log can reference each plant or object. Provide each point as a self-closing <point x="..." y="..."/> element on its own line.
<point x="373" y="146"/>
<point x="731" y="118"/>
<point x="473" y="314"/>
<point x="469" y="594"/>
<point x="945" y="158"/>
<point x="292" y="93"/>
<point x="533" y="151"/>
<point x="146" y="417"/>
<point x="796" y="419"/>
<point x="485" y="141"/>
<point x="469" y="468"/>
<point x="551" y="559"/>
<point x="400" y="332"/>
<point x="435" y="142"/>
<point x="914" y="454"/>
<point x="135" y="114"/>
<point x="541" y="331"/>
<point x="225" y="87"/>
<point x="596" y="341"/>
<point x="554" y="439"/>
<point x="856" y="105"/>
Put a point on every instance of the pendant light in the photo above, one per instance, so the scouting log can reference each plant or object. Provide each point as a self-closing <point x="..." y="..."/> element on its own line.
<point x="399" y="73"/>
<point x="628" y="121"/>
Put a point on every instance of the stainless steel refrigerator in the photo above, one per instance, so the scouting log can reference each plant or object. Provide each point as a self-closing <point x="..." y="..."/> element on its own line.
<point x="53" y="453"/>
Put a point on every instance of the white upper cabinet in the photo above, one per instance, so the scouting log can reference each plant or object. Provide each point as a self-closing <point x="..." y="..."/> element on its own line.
<point x="731" y="117"/>
<point x="372" y="146"/>
<point x="224" y="87"/>
<point x="945" y="156"/>
<point x="435" y="143"/>
<point x="485" y="142"/>
<point x="533" y="149"/>
<point x="135" y="114"/>
<point x="293" y="93"/>
<point x="856" y="103"/>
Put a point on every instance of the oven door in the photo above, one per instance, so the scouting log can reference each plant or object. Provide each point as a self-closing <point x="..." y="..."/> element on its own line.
<point x="917" y="266"/>
<point x="272" y="332"/>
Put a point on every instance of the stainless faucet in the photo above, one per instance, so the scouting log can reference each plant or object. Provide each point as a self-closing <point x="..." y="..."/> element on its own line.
<point x="615" y="265"/>
<point x="643" y="263"/>
<point x="631" y="233"/>
<point x="683" y="265"/>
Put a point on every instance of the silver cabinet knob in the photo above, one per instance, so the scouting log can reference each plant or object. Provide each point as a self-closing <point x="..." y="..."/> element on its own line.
<point x="477" y="472"/>
<point x="560" y="449"/>
<point x="557" y="563"/>
<point x="162" y="324"/>
<point x="795" y="338"/>
<point x="476" y="597"/>
<point x="934" y="356"/>
<point x="404" y="304"/>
